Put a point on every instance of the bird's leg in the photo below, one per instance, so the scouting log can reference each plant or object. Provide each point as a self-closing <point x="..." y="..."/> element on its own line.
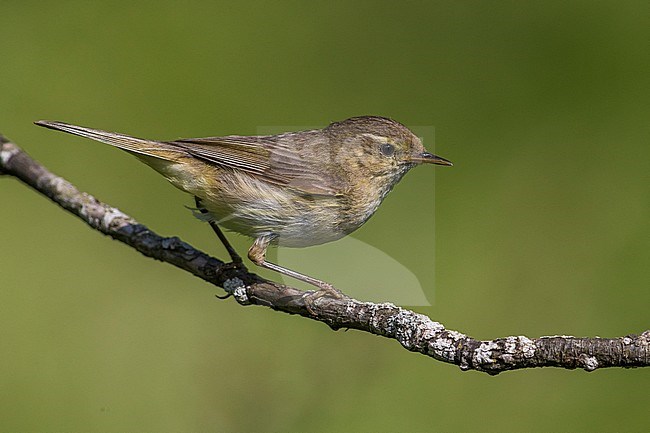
<point x="257" y="254"/>
<point x="236" y="259"/>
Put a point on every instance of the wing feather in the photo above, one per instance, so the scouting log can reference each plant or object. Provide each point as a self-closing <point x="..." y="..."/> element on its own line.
<point x="275" y="159"/>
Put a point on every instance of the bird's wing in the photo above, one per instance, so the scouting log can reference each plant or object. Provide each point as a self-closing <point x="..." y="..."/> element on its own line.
<point x="268" y="158"/>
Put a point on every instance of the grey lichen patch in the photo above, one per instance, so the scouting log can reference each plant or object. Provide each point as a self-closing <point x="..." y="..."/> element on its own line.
<point x="528" y="346"/>
<point x="443" y="344"/>
<point x="7" y="152"/>
<point x="510" y="346"/>
<point x="236" y="287"/>
<point x="241" y="296"/>
<point x="64" y="189"/>
<point x="589" y="363"/>
<point x="89" y="210"/>
<point x="350" y="307"/>
<point x="404" y="326"/>
<point x="519" y="345"/>
<point x="113" y="216"/>
<point x="455" y="335"/>
<point x="445" y="348"/>
<point x="232" y="284"/>
<point x="484" y="353"/>
<point x="414" y="331"/>
<point x="377" y="314"/>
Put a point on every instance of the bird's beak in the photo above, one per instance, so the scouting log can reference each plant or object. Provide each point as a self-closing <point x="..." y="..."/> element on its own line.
<point x="429" y="158"/>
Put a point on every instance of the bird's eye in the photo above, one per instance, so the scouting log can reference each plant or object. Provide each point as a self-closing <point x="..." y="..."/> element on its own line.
<point x="387" y="149"/>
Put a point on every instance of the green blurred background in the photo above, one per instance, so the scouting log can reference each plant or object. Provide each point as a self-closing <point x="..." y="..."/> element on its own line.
<point x="541" y="228"/>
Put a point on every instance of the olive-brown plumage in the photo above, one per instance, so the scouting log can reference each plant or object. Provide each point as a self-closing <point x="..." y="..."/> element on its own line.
<point x="295" y="189"/>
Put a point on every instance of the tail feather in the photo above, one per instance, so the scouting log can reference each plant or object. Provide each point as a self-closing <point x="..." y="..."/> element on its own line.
<point x="134" y="145"/>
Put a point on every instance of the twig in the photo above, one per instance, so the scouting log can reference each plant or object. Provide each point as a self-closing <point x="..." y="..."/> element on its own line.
<point x="414" y="331"/>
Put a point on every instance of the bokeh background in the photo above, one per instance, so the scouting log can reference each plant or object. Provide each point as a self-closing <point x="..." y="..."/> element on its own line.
<point x="541" y="227"/>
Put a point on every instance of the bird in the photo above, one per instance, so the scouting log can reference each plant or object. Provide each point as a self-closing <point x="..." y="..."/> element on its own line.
<point x="294" y="189"/>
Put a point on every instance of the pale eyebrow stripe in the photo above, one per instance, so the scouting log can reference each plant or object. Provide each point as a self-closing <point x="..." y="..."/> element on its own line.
<point x="376" y="137"/>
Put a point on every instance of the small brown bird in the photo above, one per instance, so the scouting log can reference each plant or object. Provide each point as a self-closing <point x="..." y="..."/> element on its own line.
<point x="295" y="189"/>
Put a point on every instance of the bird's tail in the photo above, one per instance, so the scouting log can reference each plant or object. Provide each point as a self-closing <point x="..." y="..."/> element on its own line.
<point x="136" y="146"/>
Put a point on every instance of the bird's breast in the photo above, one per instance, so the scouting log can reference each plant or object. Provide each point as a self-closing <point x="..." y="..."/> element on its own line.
<point x="254" y="207"/>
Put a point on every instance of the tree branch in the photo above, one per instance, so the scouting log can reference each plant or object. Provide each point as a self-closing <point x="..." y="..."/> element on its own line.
<point x="414" y="331"/>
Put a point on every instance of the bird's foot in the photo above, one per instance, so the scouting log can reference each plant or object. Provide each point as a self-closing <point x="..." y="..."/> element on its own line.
<point x="324" y="290"/>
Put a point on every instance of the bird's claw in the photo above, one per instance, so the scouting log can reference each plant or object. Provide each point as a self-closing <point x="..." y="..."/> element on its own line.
<point x="325" y="290"/>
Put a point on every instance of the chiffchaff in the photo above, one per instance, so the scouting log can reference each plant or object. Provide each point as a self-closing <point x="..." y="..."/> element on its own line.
<point x="295" y="189"/>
